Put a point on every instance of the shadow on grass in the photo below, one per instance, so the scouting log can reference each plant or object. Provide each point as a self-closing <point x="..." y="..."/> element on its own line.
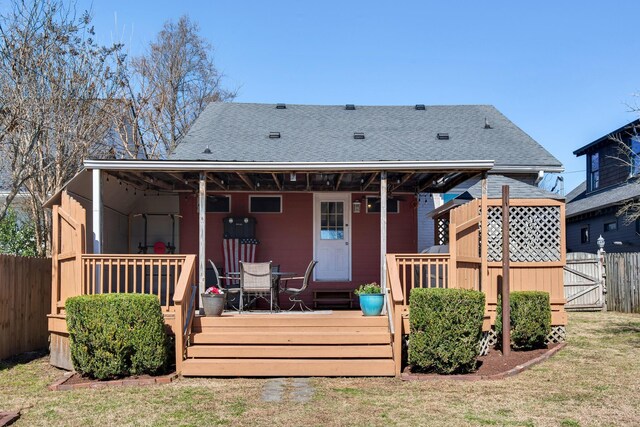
<point x="632" y="330"/>
<point x="22" y="359"/>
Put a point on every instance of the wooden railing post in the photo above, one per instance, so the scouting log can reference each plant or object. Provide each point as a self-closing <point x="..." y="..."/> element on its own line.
<point x="397" y="298"/>
<point x="183" y="316"/>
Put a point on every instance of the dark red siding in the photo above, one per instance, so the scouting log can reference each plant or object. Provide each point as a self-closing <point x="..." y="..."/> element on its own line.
<point x="287" y="238"/>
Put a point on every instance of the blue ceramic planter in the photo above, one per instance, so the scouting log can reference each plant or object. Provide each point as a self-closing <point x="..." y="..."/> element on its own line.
<point x="371" y="304"/>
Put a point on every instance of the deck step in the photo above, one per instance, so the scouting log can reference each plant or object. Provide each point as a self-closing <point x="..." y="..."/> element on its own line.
<point x="252" y="336"/>
<point x="287" y="367"/>
<point x="309" y="320"/>
<point x="290" y="351"/>
<point x="287" y="329"/>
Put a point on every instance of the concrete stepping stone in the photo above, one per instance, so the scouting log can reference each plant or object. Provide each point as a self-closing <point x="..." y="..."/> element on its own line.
<point x="302" y="391"/>
<point x="273" y="390"/>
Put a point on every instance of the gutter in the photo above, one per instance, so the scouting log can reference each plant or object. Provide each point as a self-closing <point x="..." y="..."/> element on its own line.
<point x="200" y="165"/>
<point x="527" y="169"/>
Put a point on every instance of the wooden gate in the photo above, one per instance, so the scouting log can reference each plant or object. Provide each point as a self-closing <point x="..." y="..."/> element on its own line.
<point x="68" y="245"/>
<point x="464" y="246"/>
<point x="584" y="282"/>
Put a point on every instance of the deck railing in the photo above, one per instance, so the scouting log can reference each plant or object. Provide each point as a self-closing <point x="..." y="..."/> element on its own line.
<point x="184" y="301"/>
<point x="147" y="274"/>
<point x="397" y="308"/>
<point x="420" y="271"/>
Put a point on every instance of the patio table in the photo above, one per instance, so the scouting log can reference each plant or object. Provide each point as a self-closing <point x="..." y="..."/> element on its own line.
<point x="275" y="283"/>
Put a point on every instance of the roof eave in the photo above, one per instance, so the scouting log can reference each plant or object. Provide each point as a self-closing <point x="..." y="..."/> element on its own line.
<point x="222" y="166"/>
<point x="510" y="169"/>
<point x="583" y="150"/>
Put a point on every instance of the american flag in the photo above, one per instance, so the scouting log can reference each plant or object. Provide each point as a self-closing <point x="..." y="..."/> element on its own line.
<point x="236" y="250"/>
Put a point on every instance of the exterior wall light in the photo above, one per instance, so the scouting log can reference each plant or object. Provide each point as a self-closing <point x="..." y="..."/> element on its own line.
<point x="356" y="206"/>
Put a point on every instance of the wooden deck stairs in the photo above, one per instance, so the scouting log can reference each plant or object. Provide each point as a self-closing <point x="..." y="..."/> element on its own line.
<point x="342" y="343"/>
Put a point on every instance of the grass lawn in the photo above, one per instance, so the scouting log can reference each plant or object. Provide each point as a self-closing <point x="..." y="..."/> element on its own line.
<point x="595" y="380"/>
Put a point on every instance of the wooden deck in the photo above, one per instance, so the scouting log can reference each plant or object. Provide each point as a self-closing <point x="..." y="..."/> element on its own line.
<point x="334" y="343"/>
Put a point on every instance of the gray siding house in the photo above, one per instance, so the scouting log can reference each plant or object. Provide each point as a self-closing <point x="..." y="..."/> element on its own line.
<point x="612" y="172"/>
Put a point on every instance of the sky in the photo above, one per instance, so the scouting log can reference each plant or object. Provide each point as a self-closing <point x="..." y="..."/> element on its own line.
<point x="563" y="71"/>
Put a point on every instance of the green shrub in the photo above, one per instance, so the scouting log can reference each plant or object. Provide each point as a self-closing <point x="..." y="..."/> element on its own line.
<point x="530" y="319"/>
<point x="368" y="288"/>
<point x="115" y="335"/>
<point x="446" y="326"/>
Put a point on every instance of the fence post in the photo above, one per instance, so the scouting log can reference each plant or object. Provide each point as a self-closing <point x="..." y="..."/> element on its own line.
<point x="506" y="307"/>
<point x="602" y="284"/>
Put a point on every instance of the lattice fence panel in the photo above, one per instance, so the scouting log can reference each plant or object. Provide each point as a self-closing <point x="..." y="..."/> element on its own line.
<point x="534" y="233"/>
<point x="442" y="231"/>
<point x="488" y="341"/>
<point x="557" y="334"/>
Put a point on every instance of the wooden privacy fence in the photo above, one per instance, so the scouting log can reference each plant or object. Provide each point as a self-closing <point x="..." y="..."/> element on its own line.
<point x="25" y="298"/>
<point x="623" y="282"/>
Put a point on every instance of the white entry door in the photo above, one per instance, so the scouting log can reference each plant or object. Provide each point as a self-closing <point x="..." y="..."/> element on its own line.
<point x="332" y="236"/>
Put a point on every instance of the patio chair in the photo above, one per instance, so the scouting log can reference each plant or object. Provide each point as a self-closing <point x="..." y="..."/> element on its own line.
<point x="231" y="292"/>
<point x="256" y="279"/>
<point x="295" y="292"/>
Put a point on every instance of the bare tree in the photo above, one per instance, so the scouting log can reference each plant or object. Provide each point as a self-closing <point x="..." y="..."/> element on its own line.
<point x="628" y="157"/>
<point x="56" y="100"/>
<point x="169" y="87"/>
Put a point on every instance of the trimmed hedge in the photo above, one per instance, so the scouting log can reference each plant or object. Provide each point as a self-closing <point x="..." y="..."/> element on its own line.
<point x="446" y="327"/>
<point x="530" y="319"/>
<point x="115" y="335"/>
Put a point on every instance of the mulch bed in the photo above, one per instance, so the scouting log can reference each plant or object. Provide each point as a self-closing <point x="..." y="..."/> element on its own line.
<point x="75" y="381"/>
<point x="493" y="366"/>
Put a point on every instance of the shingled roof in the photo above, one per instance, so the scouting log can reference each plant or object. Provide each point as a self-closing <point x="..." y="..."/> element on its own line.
<point x="517" y="190"/>
<point x="325" y="133"/>
<point x="578" y="202"/>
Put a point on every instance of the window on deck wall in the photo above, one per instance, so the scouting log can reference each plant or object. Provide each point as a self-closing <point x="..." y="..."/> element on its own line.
<point x="373" y="205"/>
<point x="219" y="204"/>
<point x="265" y="204"/>
<point x="594" y="174"/>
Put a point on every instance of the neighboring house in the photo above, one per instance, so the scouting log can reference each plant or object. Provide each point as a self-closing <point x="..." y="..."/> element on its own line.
<point x="303" y="182"/>
<point x="611" y="181"/>
<point x="19" y="202"/>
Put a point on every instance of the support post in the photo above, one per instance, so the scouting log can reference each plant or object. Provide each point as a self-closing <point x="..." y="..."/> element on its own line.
<point x="97" y="211"/>
<point x="202" y="228"/>
<point x="383" y="232"/>
<point x="506" y="307"/>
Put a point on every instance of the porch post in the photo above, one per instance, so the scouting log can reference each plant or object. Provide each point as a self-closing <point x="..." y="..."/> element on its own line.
<point x="202" y="225"/>
<point x="97" y="211"/>
<point x="383" y="231"/>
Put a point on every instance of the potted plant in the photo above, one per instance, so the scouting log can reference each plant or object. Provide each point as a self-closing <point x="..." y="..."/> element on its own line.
<point x="213" y="300"/>
<point x="371" y="299"/>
